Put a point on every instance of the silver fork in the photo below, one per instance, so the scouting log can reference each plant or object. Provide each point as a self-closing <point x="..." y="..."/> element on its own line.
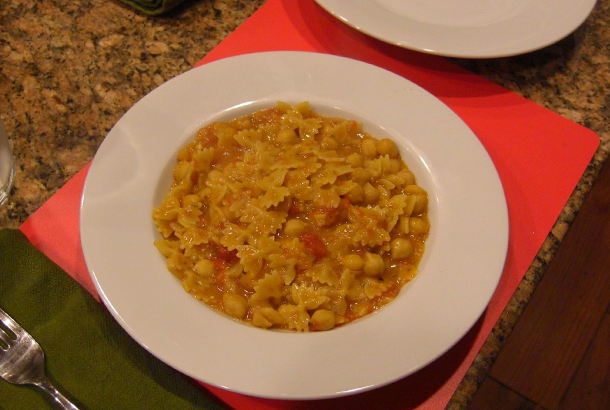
<point x="22" y="360"/>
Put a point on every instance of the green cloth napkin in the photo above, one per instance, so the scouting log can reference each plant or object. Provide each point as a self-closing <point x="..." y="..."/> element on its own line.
<point x="152" y="7"/>
<point x="88" y="355"/>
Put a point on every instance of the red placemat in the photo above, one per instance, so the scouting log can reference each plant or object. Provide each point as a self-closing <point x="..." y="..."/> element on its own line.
<point x="540" y="157"/>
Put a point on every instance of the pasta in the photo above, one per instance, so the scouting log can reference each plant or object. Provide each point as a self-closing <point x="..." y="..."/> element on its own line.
<point x="288" y="219"/>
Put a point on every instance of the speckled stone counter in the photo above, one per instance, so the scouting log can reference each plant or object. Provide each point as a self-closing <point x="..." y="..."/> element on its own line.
<point x="69" y="69"/>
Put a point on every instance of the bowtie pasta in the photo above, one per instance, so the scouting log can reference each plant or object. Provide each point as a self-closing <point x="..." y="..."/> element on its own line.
<point x="289" y="219"/>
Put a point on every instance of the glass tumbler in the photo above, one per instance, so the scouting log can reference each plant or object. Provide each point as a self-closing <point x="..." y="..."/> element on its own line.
<point x="7" y="165"/>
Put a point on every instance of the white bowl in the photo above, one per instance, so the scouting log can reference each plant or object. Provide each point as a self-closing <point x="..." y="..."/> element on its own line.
<point x="458" y="274"/>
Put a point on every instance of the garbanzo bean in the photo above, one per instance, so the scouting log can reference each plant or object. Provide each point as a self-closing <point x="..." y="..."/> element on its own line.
<point x="401" y="248"/>
<point x="234" y="305"/>
<point x="294" y="227"/>
<point x="373" y="264"/>
<point x="361" y="175"/>
<point x="418" y="226"/>
<point x="204" y="268"/>
<point x="369" y="149"/>
<point x="180" y="170"/>
<point x="323" y="319"/>
<point x="395" y="166"/>
<point x="387" y="147"/>
<point x="355" y="160"/>
<point x="420" y="204"/>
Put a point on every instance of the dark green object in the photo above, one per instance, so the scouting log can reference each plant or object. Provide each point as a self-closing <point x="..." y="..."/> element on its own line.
<point x="152" y="7"/>
<point x="88" y="355"/>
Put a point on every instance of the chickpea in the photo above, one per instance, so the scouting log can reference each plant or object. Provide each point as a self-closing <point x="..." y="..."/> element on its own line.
<point x="401" y="248"/>
<point x="353" y="262"/>
<point x="418" y="226"/>
<point x="420" y="204"/>
<point x="395" y="166"/>
<point x="215" y="175"/>
<point x="323" y="319"/>
<point x="204" y="268"/>
<point x="371" y="194"/>
<point x="294" y="227"/>
<point x="189" y="283"/>
<point x="369" y="149"/>
<point x="373" y="264"/>
<point x="387" y="147"/>
<point x="286" y="136"/>
<point x="181" y="170"/>
<point x="355" y="160"/>
<point x="235" y="305"/>
<point x="356" y="195"/>
<point x="361" y="175"/>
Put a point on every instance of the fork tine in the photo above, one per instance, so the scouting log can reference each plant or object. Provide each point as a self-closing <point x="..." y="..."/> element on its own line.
<point x="7" y="335"/>
<point x="5" y="338"/>
<point x="10" y="323"/>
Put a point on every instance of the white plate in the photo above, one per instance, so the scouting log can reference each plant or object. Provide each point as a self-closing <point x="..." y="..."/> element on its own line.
<point x="464" y="28"/>
<point x="458" y="274"/>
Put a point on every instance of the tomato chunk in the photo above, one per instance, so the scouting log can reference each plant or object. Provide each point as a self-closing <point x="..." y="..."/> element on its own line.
<point x="227" y="256"/>
<point x="295" y="208"/>
<point x="314" y="244"/>
<point x="334" y="215"/>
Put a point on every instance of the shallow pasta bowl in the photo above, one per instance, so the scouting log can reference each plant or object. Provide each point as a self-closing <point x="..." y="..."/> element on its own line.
<point x="464" y="256"/>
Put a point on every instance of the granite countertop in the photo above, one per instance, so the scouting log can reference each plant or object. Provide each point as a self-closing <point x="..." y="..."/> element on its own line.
<point x="69" y="69"/>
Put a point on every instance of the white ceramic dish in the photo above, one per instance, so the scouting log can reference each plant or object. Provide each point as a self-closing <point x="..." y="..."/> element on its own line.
<point x="459" y="272"/>
<point x="464" y="28"/>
